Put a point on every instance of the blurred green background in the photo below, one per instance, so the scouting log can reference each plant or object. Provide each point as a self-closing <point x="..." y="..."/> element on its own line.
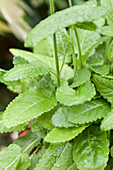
<point x="17" y="18"/>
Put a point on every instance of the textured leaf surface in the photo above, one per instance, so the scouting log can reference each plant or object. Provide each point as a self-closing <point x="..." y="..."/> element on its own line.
<point x="63" y="134"/>
<point x="69" y="97"/>
<point x="104" y="87"/>
<point x="66" y="73"/>
<point x="2" y="72"/>
<point x="107" y="122"/>
<point x="88" y="111"/>
<point x="26" y="71"/>
<point x="12" y="157"/>
<point x="91" y="149"/>
<point x="3" y="128"/>
<point x="81" y="76"/>
<point x="102" y="70"/>
<point x="56" y="22"/>
<point x="28" y="105"/>
<point x="50" y="156"/>
<point x="60" y="118"/>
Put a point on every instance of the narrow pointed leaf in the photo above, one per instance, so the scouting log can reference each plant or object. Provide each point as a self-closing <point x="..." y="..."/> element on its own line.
<point x="91" y="149"/>
<point x="104" y="87"/>
<point x="60" y="118"/>
<point x="28" y="105"/>
<point x="81" y="76"/>
<point x="63" y="134"/>
<point x="56" y="22"/>
<point x="69" y="97"/>
<point x="88" y="111"/>
<point x="26" y="71"/>
<point x="107" y="122"/>
<point x="12" y="157"/>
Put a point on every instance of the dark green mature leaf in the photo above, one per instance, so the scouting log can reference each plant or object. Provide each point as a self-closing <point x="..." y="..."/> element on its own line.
<point x="28" y="105"/>
<point x="60" y="118"/>
<point x="91" y="149"/>
<point x="26" y="71"/>
<point x="104" y="87"/>
<point x="56" y="157"/>
<point x="50" y="156"/>
<point x="107" y="122"/>
<point x="69" y="97"/>
<point x="88" y="111"/>
<point x="81" y="76"/>
<point x="3" y="128"/>
<point x="56" y="22"/>
<point x="63" y="134"/>
<point x="12" y="157"/>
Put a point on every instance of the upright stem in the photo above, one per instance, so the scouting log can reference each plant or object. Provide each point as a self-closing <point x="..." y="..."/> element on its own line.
<point x="55" y="47"/>
<point x="72" y="41"/>
<point x="106" y="55"/>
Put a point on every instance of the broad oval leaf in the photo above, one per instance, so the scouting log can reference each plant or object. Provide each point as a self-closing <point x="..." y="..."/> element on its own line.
<point x="28" y="105"/>
<point x="63" y="134"/>
<point x="91" y="149"/>
<point x="60" y="118"/>
<point x="26" y="71"/>
<point x="13" y="158"/>
<point x="88" y="111"/>
<point x="107" y="122"/>
<point x="81" y="76"/>
<point x="104" y="87"/>
<point x="56" y="22"/>
<point x="69" y="97"/>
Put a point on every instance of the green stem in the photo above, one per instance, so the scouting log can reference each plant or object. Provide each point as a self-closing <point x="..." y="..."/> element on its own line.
<point x="79" y="48"/>
<point x="106" y="55"/>
<point x="30" y="145"/>
<point x="55" y="47"/>
<point x="72" y="42"/>
<point x="63" y="62"/>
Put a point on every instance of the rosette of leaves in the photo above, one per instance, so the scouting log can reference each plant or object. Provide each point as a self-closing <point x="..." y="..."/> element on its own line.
<point x="67" y="97"/>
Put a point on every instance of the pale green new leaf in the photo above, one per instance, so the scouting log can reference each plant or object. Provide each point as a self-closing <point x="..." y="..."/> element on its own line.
<point x="63" y="134"/>
<point x="91" y="149"/>
<point x="80" y="77"/>
<point x="19" y="60"/>
<point x="26" y="71"/>
<point x="60" y="118"/>
<point x="104" y="87"/>
<point x="106" y="30"/>
<point x="56" y="22"/>
<point x="69" y="97"/>
<point x="28" y="105"/>
<point x="12" y="157"/>
<point x="2" y="72"/>
<point x="88" y="111"/>
<point x="4" y="129"/>
<point x="107" y="122"/>
<point x="67" y="72"/>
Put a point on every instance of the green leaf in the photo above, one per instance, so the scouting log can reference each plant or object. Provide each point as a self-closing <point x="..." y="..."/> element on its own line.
<point x="45" y="47"/>
<point x="2" y="72"/>
<point x="60" y="118"/>
<point x="26" y="71"/>
<point x="56" y="22"/>
<point x="87" y="40"/>
<point x="107" y="122"/>
<point x="3" y="128"/>
<point x="19" y="60"/>
<point x="80" y="77"/>
<point x="91" y="149"/>
<point x="64" y="46"/>
<point x="88" y="111"/>
<point x="87" y="26"/>
<point x="12" y="157"/>
<point x="67" y="72"/>
<point x="63" y="134"/>
<point x="112" y="151"/>
<point x="106" y="30"/>
<point x="50" y="156"/>
<point x="102" y="70"/>
<point x="26" y="140"/>
<point x="104" y="87"/>
<point x="28" y="105"/>
<point x="69" y="97"/>
<point x="45" y="119"/>
<point x="72" y="167"/>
